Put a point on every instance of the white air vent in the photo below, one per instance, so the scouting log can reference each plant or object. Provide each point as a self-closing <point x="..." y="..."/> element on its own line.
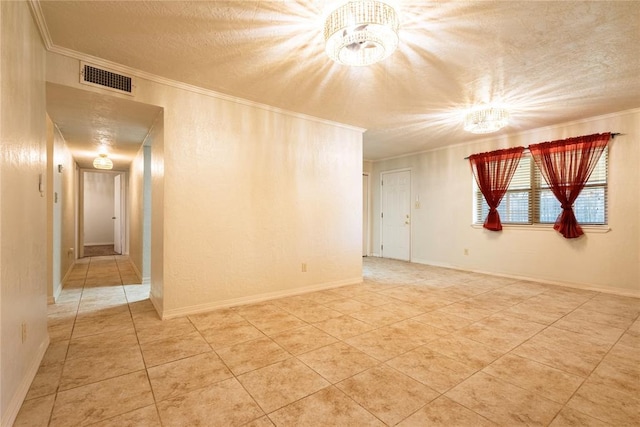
<point x="105" y="79"/>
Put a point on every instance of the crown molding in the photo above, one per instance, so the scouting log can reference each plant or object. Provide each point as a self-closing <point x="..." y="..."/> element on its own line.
<point x="38" y="16"/>
<point x="51" y="47"/>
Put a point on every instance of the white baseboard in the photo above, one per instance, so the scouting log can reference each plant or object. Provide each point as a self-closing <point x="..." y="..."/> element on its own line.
<point x="64" y="280"/>
<point x="252" y="299"/>
<point x="146" y="280"/>
<point x="51" y="299"/>
<point x="135" y="270"/>
<point x="11" y="412"/>
<point x="583" y="286"/>
<point x="156" y="302"/>
<point x="58" y="288"/>
<point x="98" y="244"/>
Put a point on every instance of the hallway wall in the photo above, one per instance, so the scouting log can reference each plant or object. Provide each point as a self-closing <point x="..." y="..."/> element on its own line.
<point x="249" y="193"/>
<point x="135" y="205"/>
<point x="23" y="211"/>
<point x="139" y="212"/>
<point x="68" y="200"/>
<point x="61" y="201"/>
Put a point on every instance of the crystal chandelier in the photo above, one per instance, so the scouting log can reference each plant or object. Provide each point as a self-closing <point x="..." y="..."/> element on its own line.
<point x="361" y="32"/>
<point x="102" y="162"/>
<point x="486" y="119"/>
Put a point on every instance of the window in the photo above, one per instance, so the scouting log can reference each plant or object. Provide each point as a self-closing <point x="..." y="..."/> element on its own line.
<point x="530" y="201"/>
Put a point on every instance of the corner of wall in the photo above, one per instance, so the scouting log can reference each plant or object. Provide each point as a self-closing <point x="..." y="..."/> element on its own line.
<point x="59" y="286"/>
<point x="135" y="270"/>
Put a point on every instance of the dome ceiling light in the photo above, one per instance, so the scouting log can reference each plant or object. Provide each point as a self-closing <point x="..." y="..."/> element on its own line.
<point x="102" y="162"/>
<point x="486" y="119"/>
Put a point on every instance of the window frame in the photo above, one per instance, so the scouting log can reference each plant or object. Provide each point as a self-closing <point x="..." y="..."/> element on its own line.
<point x="536" y="185"/>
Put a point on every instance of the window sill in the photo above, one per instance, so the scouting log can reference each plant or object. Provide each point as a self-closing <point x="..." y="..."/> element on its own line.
<point x="598" y="229"/>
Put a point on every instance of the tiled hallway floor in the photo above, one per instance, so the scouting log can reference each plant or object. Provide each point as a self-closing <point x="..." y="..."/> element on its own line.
<point x="412" y="345"/>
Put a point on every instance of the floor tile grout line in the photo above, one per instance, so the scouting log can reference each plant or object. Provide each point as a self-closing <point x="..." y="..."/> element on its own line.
<point x="584" y="378"/>
<point x="546" y="327"/>
<point x="64" y="362"/>
<point x="600" y="363"/>
<point x="393" y="323"/>
<point x="50" y="420"/>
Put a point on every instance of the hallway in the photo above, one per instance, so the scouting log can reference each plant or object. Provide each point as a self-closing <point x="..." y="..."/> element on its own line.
<point x="411" y="345"/>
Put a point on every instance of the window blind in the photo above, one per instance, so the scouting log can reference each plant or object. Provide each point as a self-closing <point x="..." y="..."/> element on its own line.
<point x="530" y="201"/>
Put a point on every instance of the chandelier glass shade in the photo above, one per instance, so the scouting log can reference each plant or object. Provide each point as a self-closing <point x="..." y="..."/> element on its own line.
<point x="486" y="119"/>
<point x="361" y="32"/>
<point x="102" y="162"/>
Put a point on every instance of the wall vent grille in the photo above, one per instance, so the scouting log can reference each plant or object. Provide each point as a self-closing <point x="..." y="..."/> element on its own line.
<point x="106" y="79"/>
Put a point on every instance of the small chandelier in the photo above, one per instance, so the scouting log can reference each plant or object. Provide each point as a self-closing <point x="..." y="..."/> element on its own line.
<point x="102" y="162"/>
<point x="486" y="119"/>
<point x="361" y="32"/>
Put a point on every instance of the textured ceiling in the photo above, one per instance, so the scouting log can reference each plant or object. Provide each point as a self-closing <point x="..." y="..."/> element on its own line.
<point x="550" y="62"/>
<point x="88" y="120"/>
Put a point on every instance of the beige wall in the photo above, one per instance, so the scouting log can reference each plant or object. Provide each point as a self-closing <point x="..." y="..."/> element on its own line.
<point x="252" y="196"/>
<point x="367" y="166"/>
<point x="156" y="140"/>
<point x="68" y="204"/>
<point x="135" y="206"/>
<point x="441" y="228"/>
<point x="60" y="210"/>
<point x="140" y="205"/>
<point x="248" y="194"/>
<point x="53" y="226"/>
<point x="23" y="212"/>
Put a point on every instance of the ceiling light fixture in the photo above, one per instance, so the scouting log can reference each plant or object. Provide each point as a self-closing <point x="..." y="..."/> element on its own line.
<point x="102" y="162"/>
<point x="486" y="119"/>
<point x="361" y="32"/>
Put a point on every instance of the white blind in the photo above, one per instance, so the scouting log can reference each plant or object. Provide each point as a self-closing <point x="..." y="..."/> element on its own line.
<point x="529" y="199"/>
<point x="591" y="205"/>
<point x="515" y="207"/>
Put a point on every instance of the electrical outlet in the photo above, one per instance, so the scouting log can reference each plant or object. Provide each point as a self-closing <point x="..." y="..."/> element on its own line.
<point x="304" y="267"/>
<point x="466" y="251"/>
<point x="24" y="332"/>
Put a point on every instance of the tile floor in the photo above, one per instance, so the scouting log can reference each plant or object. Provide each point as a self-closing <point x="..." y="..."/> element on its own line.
<point x="412" y="345"/>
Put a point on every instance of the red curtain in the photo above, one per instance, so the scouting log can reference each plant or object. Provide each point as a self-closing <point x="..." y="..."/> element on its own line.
<point x="493" y="172"/>
<point x="566" y="166"/>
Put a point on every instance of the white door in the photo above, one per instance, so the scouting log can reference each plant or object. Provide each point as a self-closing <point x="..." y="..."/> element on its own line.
<point x="117" y="215"/>
<point x="396" y="215"/>
<point x="365" y="215"/>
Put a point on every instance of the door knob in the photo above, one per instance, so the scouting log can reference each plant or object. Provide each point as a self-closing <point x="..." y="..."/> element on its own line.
<point x="113" y="217"/>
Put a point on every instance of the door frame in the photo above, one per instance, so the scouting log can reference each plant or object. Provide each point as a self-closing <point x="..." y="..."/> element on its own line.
<point x="123" y="207"/>
<point x="366" y="216"/>
<point x="118" y="240"/>
<point x="382" y="173"/>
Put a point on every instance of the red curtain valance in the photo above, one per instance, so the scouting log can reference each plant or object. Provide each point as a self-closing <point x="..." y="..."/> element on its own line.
<point x="493" y="172"/>
<point x="566" y="165"/>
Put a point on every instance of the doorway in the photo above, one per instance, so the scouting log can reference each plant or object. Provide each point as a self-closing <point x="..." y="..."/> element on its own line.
<point x="102" y="226"/>
<point x="396" y="215"/>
